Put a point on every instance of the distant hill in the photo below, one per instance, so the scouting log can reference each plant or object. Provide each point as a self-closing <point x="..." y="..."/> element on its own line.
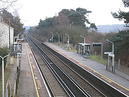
<point x="111" y="28"/>
<point x="104" y="28"/>
<point x="27" y="27"/>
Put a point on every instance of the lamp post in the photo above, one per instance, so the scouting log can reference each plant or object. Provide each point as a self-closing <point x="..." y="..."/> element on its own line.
<point x="112" y="55"/>
<point x="83" y="38"/>
<point x="19" y="52"/>
<point x="19" y="59"/>
<point x="3" y="73"/>
<point x="9" y="35"/>
<point x="101" y="50"/>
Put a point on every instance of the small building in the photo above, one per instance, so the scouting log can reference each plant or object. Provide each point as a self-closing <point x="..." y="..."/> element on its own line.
<point x="90" y="48"/>
<point x="6" y="34"/>
<point x="84" y="48"/>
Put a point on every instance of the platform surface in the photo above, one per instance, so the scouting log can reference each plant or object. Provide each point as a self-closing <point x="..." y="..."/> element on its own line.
<point x="118" y="80"/>
<point x="30" y="81"/>
<point x="26" y="86"/>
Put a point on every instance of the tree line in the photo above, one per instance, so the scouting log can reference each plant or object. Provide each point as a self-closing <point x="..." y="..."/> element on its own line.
<point x="68" y="22"/>
<point x="75" y="23"/>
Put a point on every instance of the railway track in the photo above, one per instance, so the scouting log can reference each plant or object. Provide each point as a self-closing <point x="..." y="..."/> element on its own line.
<point x="68" y="84"/>
<point x="71" y="77"/>
<point x="53" y="87"/>
<point x="83" y="83"/>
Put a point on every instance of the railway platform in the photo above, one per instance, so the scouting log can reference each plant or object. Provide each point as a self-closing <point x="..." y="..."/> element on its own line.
<point x="117" y="80"/>
<point x="30" y="82"/>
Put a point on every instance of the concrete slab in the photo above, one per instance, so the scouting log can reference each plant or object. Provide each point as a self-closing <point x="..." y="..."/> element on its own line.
<point x="26" y="86"/>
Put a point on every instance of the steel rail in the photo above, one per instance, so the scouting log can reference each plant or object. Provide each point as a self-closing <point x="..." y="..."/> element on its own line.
<point x="69" y="84"/>
<point x="100" y="84"/>
<point x="81" y="77"/>
<point x="50" y="93"/>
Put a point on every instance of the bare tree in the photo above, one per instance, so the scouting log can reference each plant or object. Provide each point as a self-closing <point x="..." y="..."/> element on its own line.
<point x="5" y="4"/>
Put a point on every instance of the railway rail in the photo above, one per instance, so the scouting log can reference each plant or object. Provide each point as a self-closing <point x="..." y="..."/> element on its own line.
<point x="82" y="82"/>
<point x="76" y="81"/>
<point x="69" y="85"/>
<point x="52" y="86"/>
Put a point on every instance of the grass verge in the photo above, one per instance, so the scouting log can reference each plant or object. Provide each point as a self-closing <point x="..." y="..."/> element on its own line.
<point x="98" y="59"/>
<point x="64" y="46"/>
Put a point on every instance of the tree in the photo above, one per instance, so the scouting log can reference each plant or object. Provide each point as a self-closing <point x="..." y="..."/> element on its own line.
<point x="121" y="15"/>
<point x="68" y="22"/>
<point x="76" y="17"/>
<point x="121" y="39"/>
<point x="93" y="26"/>
<point x="46" y="23"/>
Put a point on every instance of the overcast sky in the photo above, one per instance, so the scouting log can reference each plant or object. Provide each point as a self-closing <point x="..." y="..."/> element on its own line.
<point x="31" y="11"/>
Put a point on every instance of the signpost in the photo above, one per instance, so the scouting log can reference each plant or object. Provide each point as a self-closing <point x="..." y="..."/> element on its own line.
<point x="110" y="54"/>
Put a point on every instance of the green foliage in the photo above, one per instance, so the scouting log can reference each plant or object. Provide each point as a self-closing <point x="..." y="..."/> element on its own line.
<point x="46" y="23"/>
<point x="3" y="52"/>
<point x="82" y="11"/>
<point x="98" y="59"/>
<point x="65" y="12"/>
<point x="126" y="3"/>
<point x="17" y="25"/>
<point x="121" y="15"/>
<point x="93" y="26"/>
<point x="121" y="41"/>
<point x="75" y="32"/>
<point x="76" y="17"/>
<point x="69" y="21"/>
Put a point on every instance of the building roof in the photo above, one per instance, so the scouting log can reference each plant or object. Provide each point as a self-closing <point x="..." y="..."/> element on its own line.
<point x="84" y="44"/>
<point x="88" y="44"/>
<point x="1" y="21"/>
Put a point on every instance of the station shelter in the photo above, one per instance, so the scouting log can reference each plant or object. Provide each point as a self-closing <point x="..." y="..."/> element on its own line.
<point x="83" y="48"/>
<point x="90" y="48"/>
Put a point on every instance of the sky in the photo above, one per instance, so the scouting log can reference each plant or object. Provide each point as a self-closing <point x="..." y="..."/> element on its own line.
<point x="31" y="11"/>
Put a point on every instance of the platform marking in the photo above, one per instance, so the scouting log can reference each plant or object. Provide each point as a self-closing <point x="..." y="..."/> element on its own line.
<point x="32" y="72"/>
<point x="40" y="74"/>
<point x="39" y="84"/>
<point x="33" y="66"/>
<point x="42" y="77"/>
<point x="102" y="76"/>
